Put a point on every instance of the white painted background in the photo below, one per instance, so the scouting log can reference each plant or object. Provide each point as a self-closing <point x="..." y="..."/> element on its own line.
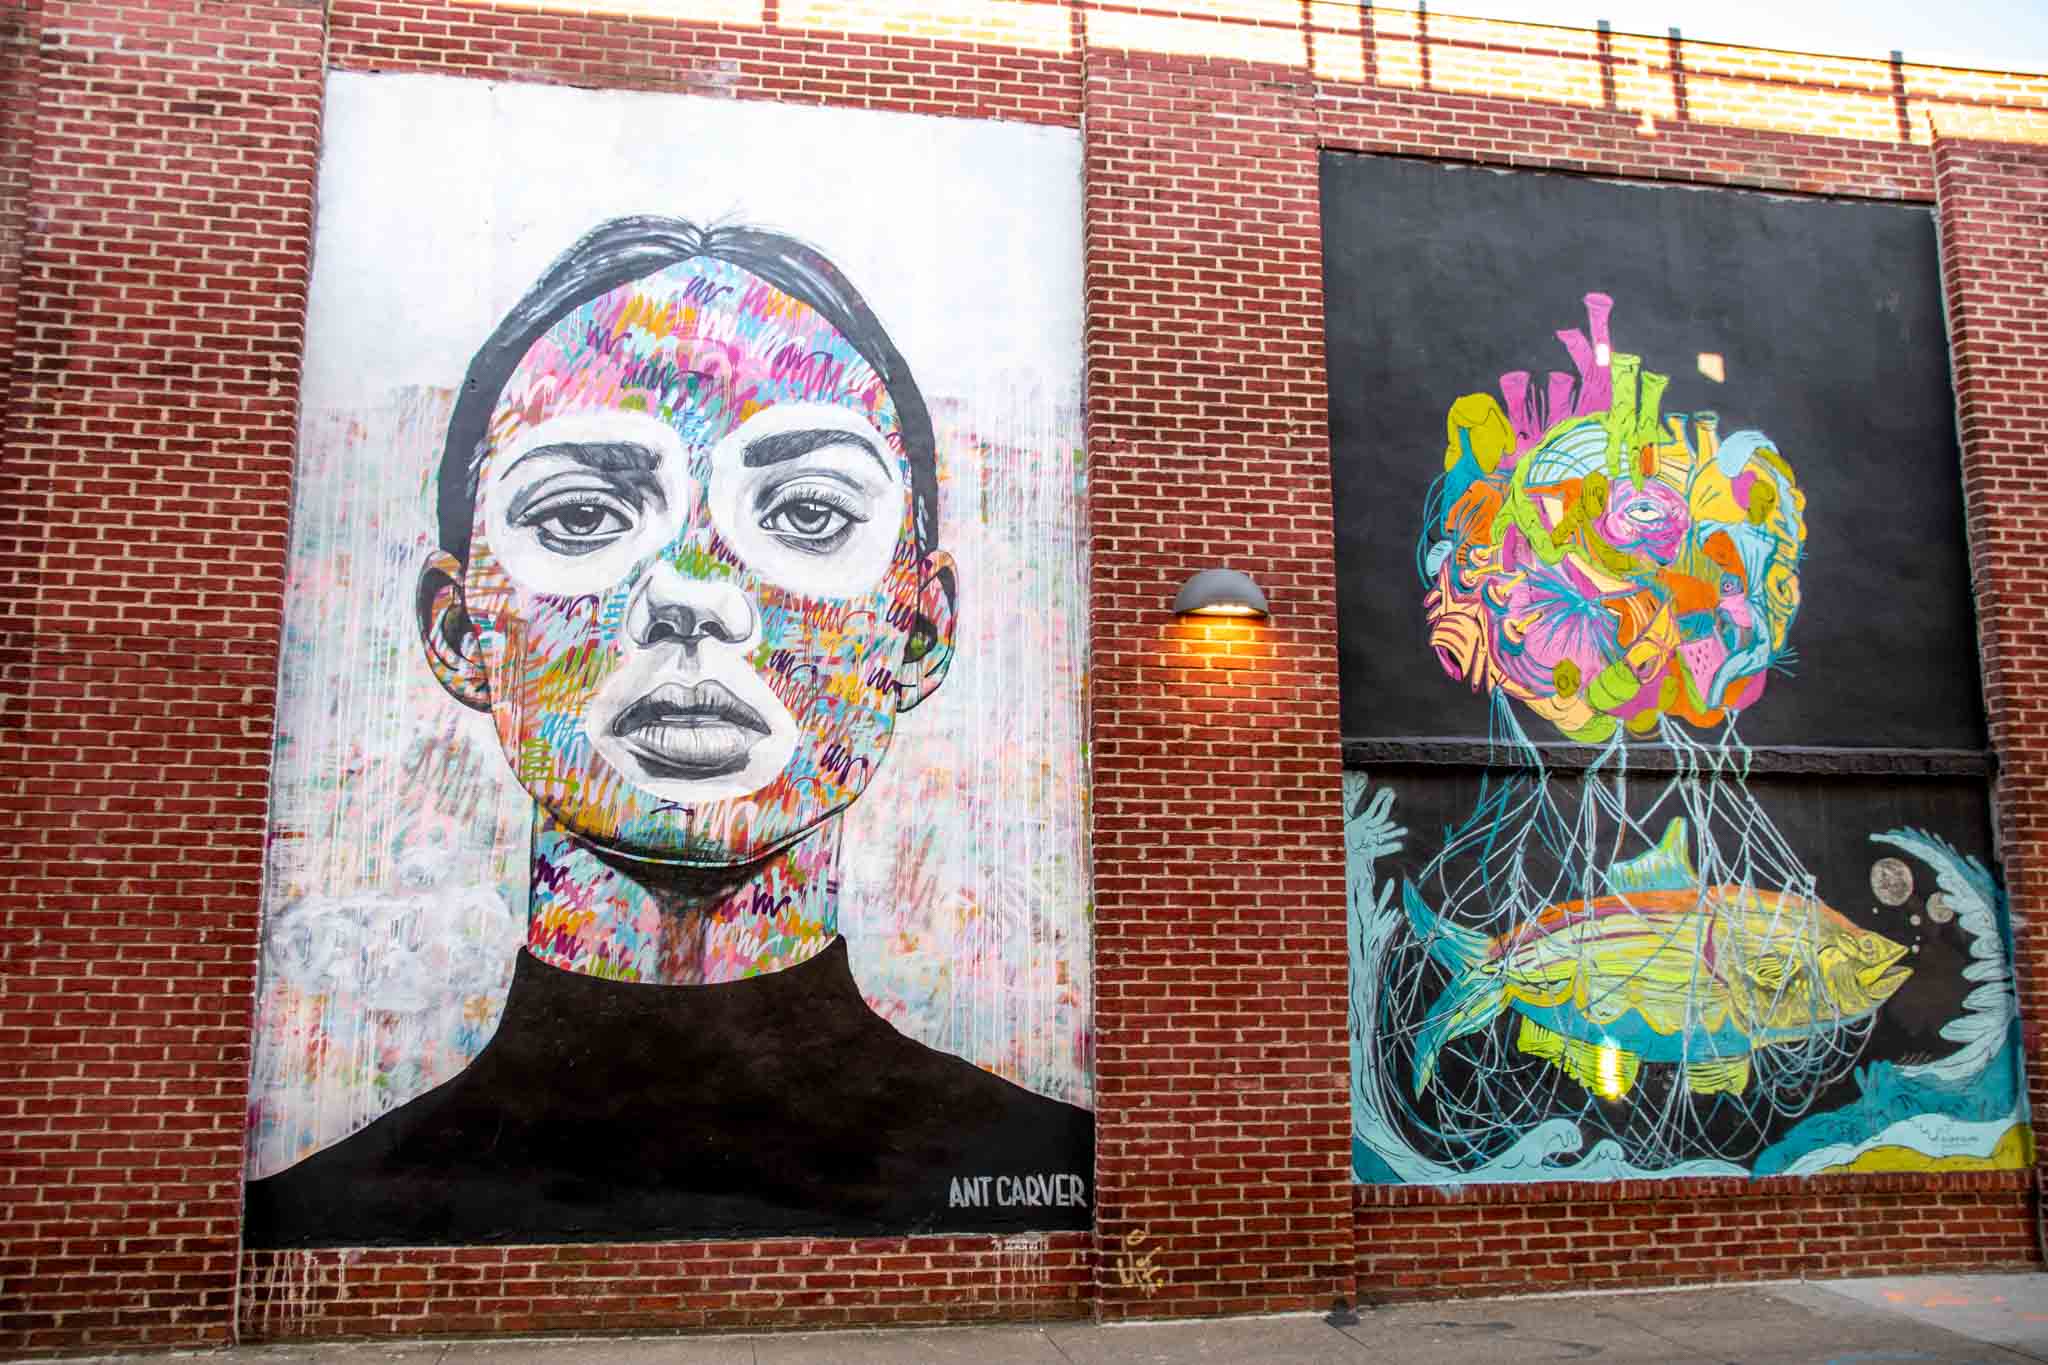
<point x="396" y="894"/>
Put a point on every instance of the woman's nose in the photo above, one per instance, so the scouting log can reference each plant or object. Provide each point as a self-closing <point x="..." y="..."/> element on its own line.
<point x="671" y="607"/>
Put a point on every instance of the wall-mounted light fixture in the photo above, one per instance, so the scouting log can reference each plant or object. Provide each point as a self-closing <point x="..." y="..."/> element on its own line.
<point x="1220" y="592"/>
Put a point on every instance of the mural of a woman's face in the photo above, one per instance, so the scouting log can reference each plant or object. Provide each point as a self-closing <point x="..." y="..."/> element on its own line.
<point x="694" y="602"/>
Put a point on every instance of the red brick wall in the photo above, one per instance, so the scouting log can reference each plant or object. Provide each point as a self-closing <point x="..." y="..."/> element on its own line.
<point x="912" y="72"/>
<point x="20" y="28"/>
<point x="1993" y="212"/>
<point x="1544" y="135"/>
<point x="1428" y="1244"/>
<point x="790" y="1282"/>
<point x="1223" y="1121"/>
<point x="154" y="202"/>
<point x="148" y="448"/>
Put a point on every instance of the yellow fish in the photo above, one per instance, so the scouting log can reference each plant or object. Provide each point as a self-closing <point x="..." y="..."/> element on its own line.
<point x="1663" y="970"/>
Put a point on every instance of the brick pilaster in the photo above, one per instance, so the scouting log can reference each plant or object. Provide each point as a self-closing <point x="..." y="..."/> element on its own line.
<point x="1219" y="875"/>
<point x="148" y="452"/>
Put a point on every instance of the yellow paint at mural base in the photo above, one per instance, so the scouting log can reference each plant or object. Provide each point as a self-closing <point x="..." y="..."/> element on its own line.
<point x="2015" y="1151"/>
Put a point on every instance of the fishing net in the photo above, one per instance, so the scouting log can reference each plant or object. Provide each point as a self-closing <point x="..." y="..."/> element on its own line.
<point x="1538" y="838"/>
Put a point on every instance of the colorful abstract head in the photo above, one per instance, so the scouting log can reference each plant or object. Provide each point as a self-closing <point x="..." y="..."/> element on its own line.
<point x="688" y="562"/>
<point x="1607" y="566"/>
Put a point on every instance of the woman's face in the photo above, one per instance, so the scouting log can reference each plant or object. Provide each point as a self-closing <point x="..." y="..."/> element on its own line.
<point x="693" y="572"/>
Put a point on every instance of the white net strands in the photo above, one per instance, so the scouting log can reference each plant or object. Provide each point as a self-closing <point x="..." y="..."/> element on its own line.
<point x="1666" y="906"/>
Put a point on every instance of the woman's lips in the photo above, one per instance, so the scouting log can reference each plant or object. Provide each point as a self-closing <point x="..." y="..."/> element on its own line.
<point x="687" y="731"/>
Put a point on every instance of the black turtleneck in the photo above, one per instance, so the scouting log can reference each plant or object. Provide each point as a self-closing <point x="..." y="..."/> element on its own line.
<point x="603" y="1111"/>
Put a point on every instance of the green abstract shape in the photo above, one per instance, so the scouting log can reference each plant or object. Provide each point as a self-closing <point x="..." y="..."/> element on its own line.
<point x="1631" y="421"/>
<point x="1614" y="685"/>
<point x="1595" y="731"/>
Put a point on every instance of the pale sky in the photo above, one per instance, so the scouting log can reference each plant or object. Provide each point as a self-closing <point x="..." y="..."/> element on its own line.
<point x="2001" y="35"/>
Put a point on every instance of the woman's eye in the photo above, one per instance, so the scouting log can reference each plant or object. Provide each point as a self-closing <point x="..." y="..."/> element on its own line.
<point x="1645" y="512"/>
<point x="813" y="519"/>
<point x="578" y="524"/>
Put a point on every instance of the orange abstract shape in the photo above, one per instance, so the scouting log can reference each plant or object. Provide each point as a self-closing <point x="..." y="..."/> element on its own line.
<point x="1457" y="632"/>
<point x="1634" y="612"/>
<point x="1719" y="548"/>
<point x="1471" y="518"/>
<point x="1687" y="594"/>
<point x="1679" y="698"/>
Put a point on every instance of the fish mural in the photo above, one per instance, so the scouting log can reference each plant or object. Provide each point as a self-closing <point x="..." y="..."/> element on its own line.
<point x="1626" y="953"/>
<point x="1667" y="971"/>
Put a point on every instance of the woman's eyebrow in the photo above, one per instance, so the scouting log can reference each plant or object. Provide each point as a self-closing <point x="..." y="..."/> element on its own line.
<point x="791" y="445"/>
<point x="626" y="465"/>
<point x="603" y="457"/>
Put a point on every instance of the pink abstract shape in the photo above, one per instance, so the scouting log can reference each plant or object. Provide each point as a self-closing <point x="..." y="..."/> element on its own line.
<point x="1598" y="392"/>
<point x="1514" y="387"/>
<point x="1595" y="385"/>
<point x="1514" y="549"/>
<point x="1649" y="516"/>
<point x="1561" y="396"/>
<point x="1642" y="701"/>
<point x="1703" y="659"/>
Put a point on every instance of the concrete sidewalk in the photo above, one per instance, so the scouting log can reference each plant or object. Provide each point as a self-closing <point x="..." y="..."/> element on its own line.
<point x="1944" y="1320"/>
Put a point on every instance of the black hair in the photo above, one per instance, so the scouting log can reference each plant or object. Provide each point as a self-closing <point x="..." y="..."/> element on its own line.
<point x="627" y="249"/>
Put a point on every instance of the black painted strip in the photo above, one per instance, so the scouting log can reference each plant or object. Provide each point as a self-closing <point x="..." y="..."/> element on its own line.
<point x="1764" y="760"/>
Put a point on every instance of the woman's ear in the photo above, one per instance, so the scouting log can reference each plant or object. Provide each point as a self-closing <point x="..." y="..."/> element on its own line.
<point x="929" y="651"/>
<point x="448" y="635"/>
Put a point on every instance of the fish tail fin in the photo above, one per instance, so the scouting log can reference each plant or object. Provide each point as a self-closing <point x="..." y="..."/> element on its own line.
<point x="1468" y="1004"/>
<point x="1474" y="998"/>
<point x="1454" y="947"/>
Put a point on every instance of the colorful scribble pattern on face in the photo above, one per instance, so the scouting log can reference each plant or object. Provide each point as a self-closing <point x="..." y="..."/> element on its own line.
<point x="1605" y="566"/>
<point x="698" y="350"/>
<point x="693" y="576"/>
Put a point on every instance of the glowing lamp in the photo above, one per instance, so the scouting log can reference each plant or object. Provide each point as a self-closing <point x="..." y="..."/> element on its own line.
<point x="1220" y="592"/>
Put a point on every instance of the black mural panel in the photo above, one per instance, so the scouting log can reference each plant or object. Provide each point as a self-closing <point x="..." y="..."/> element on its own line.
<point x="1824" y="322"/>
<point x="1667" y="835"/>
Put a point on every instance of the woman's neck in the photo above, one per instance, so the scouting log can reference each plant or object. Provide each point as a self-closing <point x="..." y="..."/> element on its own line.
<point x="602" y="914"/>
